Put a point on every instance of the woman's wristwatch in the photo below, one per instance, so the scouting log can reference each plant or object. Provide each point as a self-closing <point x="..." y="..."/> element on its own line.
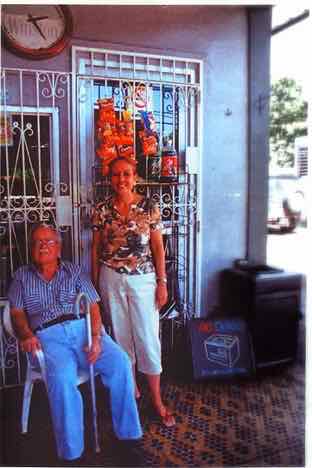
<point x="161" y="280"/>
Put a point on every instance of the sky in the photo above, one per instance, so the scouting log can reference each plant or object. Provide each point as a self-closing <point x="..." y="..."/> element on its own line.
<point x="289" y="48"/>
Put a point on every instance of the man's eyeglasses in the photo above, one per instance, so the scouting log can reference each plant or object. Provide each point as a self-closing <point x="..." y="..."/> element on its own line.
<point x="41" y="242"/>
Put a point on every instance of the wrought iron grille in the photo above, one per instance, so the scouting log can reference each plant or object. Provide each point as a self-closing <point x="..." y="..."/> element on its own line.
<point x="35" y="176"/>
<point x="35" y="167"/>
<point x="167" y="90"/>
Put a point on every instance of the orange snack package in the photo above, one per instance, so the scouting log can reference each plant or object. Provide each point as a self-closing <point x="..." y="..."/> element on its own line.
<point x="149" y="145"/>
<point x="126" y="151"/>
<point x="106" y="152"/>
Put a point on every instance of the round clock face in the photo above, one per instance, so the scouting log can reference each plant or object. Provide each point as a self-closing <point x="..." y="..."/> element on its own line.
<point x="36" y="31"/>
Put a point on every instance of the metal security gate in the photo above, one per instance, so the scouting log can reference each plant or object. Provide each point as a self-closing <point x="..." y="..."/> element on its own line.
<point x="35" y="175"/>
<point x="35" y="164"/>
<point x="158" y="97"/>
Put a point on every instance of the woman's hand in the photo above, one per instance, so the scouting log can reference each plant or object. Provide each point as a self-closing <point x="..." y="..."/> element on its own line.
<point x="161" y="295"/>
<point x="95" y="350"/>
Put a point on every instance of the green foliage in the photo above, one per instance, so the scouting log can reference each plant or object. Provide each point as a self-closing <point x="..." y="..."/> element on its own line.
<point x="288" y="120"/>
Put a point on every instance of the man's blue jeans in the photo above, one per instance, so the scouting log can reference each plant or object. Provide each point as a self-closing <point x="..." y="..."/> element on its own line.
<point x="63" y="345"/>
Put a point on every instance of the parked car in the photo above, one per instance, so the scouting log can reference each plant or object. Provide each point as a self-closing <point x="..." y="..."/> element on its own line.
<point x="286" y="207"/>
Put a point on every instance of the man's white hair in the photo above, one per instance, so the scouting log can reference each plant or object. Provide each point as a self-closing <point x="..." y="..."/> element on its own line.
<point x="46" y="226"/>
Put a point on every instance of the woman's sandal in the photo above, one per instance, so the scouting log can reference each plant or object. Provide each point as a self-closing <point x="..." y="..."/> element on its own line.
<point x="167" y="418"/>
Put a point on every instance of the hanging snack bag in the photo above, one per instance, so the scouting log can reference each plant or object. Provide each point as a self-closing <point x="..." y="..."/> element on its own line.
<point x="149" y="145"/>
<point x="169" y="164"/>
<point x="126" y="151"/>
<point x="106" y="113"/>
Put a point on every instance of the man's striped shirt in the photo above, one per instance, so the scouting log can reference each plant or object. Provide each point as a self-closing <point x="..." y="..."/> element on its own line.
<point x="44" y="300"/>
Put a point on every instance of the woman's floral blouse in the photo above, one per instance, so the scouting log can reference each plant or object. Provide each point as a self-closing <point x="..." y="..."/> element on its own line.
<point x="125" y="241"/>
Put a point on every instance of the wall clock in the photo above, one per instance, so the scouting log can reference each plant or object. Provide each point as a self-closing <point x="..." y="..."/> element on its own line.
<point x="36" y="31"/>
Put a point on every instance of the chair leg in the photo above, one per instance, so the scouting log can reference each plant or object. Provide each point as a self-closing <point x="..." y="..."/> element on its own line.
<point x="26" y="405"/>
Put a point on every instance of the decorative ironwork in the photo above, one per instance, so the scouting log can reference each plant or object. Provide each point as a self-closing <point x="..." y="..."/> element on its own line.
<point x="187" y="96"/>
<point x="54" y="82"/>
<point x="21" y="150"/>
<point x="83" y="86"/>
<point x="10" y="348"/>
<point x="138" y="94"/>
<point x="31" y="187"/>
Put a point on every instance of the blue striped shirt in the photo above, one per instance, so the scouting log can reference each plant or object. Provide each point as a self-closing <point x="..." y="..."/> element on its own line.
<point x="44" y="300"/>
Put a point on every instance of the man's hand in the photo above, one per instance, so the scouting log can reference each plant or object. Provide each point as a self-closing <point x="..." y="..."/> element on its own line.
<point x="30" y="345"/>
<point x="95" y="350"/>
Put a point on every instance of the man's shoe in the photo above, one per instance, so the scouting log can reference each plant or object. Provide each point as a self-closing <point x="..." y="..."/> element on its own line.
<point x="81" y="461"/>
<point x="75" y="462"/>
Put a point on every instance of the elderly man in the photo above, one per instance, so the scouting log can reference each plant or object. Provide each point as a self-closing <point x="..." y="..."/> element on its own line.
<point x="42" y="296"/>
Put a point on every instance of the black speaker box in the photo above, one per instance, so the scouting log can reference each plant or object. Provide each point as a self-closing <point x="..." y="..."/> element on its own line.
<point x="270" y="302"/>
<point x="220" y="348"/>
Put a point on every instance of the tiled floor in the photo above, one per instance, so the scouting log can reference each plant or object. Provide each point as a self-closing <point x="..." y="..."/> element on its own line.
<point x="257" y="421"/>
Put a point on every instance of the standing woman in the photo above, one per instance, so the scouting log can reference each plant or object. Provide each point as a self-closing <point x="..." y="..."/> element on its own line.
<point x="128" y="268"/>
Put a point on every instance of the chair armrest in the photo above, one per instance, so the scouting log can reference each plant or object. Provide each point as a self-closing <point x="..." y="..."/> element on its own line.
<point x="7" y="323"/>
<point x="40" y="357"/>
<point x="36" y="363"/>
<point x="10" y="330"/>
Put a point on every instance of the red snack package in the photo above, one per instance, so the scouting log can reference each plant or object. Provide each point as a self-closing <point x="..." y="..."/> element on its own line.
<point x="106" y="152"/>
<point x="126" y="151"/>
<point x="169" y="163"/>
<point x="149" y="145"/>
<point x="121" y="127"/>
<point x="112" y="140"/>
<point x="105" y="117"/>
<point x="125" y="140"/>
<point x="107" y="129"/>
<point x="107" y="104"/>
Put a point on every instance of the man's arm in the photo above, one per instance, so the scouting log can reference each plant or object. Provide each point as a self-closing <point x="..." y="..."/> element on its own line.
<point x="96" y="327"/>
<point x="28" y="341"/>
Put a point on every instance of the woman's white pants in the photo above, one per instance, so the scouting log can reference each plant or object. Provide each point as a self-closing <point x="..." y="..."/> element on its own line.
<point x="130" y="302"/>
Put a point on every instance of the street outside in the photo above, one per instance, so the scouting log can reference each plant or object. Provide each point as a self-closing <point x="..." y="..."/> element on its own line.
<point x="289" y="251"/>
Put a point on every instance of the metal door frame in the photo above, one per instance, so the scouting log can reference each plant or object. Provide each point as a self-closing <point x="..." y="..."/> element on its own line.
<point x="94" y="58"/>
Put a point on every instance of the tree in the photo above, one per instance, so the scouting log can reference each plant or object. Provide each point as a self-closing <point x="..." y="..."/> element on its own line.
<point x="288" y="120"/>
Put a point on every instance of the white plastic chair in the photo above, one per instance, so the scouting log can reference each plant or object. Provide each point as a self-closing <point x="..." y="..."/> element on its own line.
<point x="37" y="371"/>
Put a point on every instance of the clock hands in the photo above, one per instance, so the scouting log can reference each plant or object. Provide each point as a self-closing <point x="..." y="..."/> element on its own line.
<point x="34" y="21"/>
